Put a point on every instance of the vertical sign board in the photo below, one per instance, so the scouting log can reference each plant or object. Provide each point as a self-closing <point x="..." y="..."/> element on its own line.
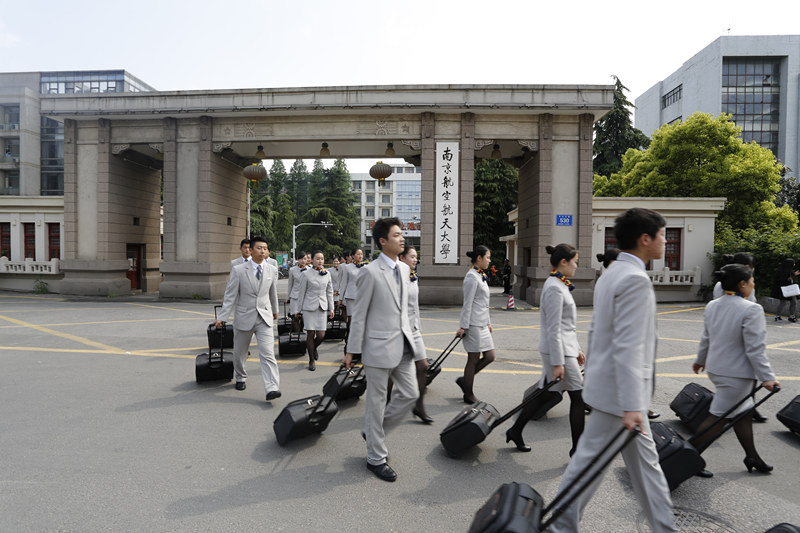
<point x="446" y="215"/>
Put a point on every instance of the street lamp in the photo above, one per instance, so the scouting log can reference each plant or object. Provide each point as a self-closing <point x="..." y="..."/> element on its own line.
<point x="294" y="238"/>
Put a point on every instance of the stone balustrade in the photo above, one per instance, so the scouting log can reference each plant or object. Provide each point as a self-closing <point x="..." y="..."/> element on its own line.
<point x="29" y="266"/>
<point x="675" y="277"/>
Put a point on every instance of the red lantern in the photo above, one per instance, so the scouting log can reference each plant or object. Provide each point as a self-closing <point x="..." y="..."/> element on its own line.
<point x="380" y="171"/>
<point x="255" y="172"/>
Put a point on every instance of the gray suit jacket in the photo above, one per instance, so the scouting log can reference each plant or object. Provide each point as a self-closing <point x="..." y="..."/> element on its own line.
<point x="238" y="261"/>
<point x="294" y="282"/>
<point x="348" y="286"/>
<point x="734" y="340"/>
<point x="248" y="298"/>
<point x="620" y="363"/>
<point x="475" y="311"/>
<point x="558" y="316"/>
<point x="316" y="292"/>
<point x="380" y="327"/>
<point x="414" y="321"/>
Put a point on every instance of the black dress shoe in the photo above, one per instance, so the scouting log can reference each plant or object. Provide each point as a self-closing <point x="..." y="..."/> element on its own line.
<point x="271" y="395"/>
<point x="311" y="366"/>
<point x="383" y="471"/>
<point x="469" y="400"/>
<point x="422" y="416"/>
<point x="516" y="436"/>
<point x="240" y="385"/>
<point x="704" y="473"/>
<point x="652" y="415"/>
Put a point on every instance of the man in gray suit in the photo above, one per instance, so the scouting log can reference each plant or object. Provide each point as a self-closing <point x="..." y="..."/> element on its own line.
<point x="244" y="246"/>
<point x="381" y="333"/>
<point x="620" y="371"/>
<point x="252" y="293"/>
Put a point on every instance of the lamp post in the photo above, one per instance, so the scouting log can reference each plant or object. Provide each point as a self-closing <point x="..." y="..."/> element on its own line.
<point x="294" y="238"/>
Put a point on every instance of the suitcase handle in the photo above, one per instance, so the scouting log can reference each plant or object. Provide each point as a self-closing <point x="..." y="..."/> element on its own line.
<point x="735" y="419"/>
<point x="558" y="511"/>
<point x="215" y="311"/>
<point x="332" y="396"/>
<point x="525" y="402"/>
<point x="442" y="356"/>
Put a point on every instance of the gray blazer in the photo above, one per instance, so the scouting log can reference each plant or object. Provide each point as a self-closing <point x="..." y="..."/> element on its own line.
<point x="248" y="298"/>
<point x="294" y="282"/>
<point x="413" y="319"/>
<point x="558" y="316"/>
<point x="336" y="278"/>
<point x="719" y="293"/>
<point x="348" y="288"/>
<point x="734" y="340"/>
<point x="620" y="363"/>
<point x="475" y="311"/>
<point x="238" y="261"/>
<point x="272" y="262"/>
<point x="316" y="292"/>
<point x="380" y="328"/>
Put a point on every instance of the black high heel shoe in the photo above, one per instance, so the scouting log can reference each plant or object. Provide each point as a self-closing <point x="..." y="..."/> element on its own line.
<point x="758" y="417"/>
<point x="759" y="464"/>
<point x="516" y="436"/>
<point x="422" y="416"/>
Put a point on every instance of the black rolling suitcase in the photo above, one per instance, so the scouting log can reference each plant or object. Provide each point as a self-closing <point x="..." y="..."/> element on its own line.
<point x="335" y="330"/>
<point x="219" y="338"/>
<point x="518" y="508"/>
<point x="346" y="383"/>
<point x="304" y="417"/>
<point x="691" y="405"/>
<point x="475" y="422"/>
<point x="435" y="366"/>
<point x="291" y="344"/>
<point x="789" y="416"/>
<point x="284" y="323"/>
<point x="212" y="366"/>
<point x="680" y="459"/>
<point x="783" y="527"/>
<point x="552" y="400"/>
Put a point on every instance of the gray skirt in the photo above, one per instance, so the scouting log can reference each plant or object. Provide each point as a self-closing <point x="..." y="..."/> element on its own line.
<point x="729" y="391"/>
<point x="315" y="320"/>
<point x="573" y="380"/>
<point x="478" y="339"/>
<point x="293" y="306"/>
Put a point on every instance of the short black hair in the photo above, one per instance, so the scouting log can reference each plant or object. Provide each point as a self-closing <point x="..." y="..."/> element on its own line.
<point x="407" y="248"/>
<point x="740" y="258"/>
<point x="731" y="275"/>
<point x="479" y="251"/>
<point x="635" y="222"/>
<point x="254" y="240"/>
<point x="381" y="229"/>
<point x="559" y="252"/>
<point x="244" y="241"/>
<point x="610" y="255"/>
<point x="315" y="252"/>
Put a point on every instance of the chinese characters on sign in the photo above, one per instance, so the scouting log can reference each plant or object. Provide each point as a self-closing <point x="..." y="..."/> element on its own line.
<point x="446" y="208"/>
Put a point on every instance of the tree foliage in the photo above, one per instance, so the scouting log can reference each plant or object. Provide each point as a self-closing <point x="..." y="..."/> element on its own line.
<point x="704" y="157"/>
<point x="614" y="134"/>
<point x="495" y="194"/>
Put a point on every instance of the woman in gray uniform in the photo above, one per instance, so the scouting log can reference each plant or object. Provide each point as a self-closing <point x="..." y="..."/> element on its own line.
<point x="733" y="353"/>
<point x="558" y="345"/>
<point x="409" y="257"/>
<point x="294" y="288"/>
<point x="315" y="304"/>
<point x="475" y="324"/>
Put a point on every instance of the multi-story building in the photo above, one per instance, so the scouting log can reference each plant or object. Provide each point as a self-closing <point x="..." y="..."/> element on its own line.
<point x="397" y="196"/>
<point x="754" y="78"/>
<point x="32" y="169"/>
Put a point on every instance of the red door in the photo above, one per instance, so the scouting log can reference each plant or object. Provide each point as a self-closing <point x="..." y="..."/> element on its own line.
<point x="134" y="273"/>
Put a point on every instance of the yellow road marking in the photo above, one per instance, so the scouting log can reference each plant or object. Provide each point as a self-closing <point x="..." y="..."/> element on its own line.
<point x="680" y="310"/>
<point x="75" y="338"/>
<point x="32" y="297"/>
<point x="173" y="309"/>
<point x="675" y="358"/>
<point x="107" y="322"/>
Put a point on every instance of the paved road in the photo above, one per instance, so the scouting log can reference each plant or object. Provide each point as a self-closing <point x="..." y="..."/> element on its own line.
<point x="103" y="428"/>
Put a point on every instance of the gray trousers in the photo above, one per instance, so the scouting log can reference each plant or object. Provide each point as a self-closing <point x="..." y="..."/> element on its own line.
<point x="641" y="459"/>
<point x="380" y="417"/>
<point x="266" y="352"/>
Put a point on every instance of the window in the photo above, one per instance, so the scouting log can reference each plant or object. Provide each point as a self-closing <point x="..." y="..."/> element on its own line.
<point x="672" y="251"/>
<point x="9" y="184"/>
<point x="370" y="212"/>
<point x="53" y="240"/>
<point x="386" y="198"/>
<point x="751" y="92"/>
<point x="29" y="233"/>
<point x="610" y="240"/>
<point x="671" y="97"/>
<point x="5" y="239"/>
<point x="386" y="212"/>
<point x="385" y="185"/>
<point x="370" y="198"/>
<point x="356" y="185"/>
<point x="370" y="185"/>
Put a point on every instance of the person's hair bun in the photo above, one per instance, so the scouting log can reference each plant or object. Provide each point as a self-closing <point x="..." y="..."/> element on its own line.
<point x="550" y="249"/>
<point x="728" y="258"/>
<point x="601" y="258"/>
<point x="471" y="254"/>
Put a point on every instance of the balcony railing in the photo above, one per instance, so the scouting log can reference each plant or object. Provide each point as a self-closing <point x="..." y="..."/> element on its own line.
<point x="29" y="266"/>
<point x="9" y="126"/>
<point x="675" y="277"/>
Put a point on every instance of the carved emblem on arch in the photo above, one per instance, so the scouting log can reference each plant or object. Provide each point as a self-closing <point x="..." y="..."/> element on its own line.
<point x="480" y="143"/>
<point x="117" y="149"/>
<point x="158" y="147"/>
<point x="414" y="144"/>
<point x="530" y="144"/>
<point x="219" y="147"/>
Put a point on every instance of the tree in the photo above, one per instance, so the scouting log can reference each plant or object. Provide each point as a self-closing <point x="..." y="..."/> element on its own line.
<point x="282" y="223"/>
<point x="614" y="134"/>
<point x="705" y="156"/>
<point x="278" y="180"/>
<point x="333" y="202"/>
<point x="298" y="188"/>
<point x="495" y="194"/>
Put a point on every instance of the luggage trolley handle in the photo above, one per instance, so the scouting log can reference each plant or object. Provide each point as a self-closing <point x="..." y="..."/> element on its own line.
<point x="525" y="403"/>
<point x="442" y="356"/>
<point x="332" y="396"/>
<point x="737" y="418"/>
<point x="554" y="506"/>
<point x="221" y="331"/>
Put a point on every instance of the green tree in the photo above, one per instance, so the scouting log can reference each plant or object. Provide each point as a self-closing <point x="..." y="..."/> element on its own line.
<point x="705" y="156"/>
<point x="298" y="188"/>
<point x="333" y="202"/>
<point x="614" y="134"/>
<point x="261" y="214"/>
<point x="282" y="223"/>
<point x="278" y="180"/>
<point x="495" y="194"/>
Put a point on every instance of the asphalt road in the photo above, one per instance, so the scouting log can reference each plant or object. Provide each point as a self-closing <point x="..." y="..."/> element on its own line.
<point x="103" y="428"/>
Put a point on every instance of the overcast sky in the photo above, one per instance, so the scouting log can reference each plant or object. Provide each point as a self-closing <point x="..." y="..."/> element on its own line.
<point x="202" y="44"/>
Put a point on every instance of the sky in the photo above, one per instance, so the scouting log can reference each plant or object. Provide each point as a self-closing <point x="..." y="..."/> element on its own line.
<point x="234" y="44"/>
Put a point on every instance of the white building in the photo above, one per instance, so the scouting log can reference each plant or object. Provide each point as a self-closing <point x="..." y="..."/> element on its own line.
<point x="754" y="78"/>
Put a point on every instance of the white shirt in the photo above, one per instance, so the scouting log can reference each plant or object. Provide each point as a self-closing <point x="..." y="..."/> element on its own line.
<point x="638" y="261"/>
<point x="392" y="264"/>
